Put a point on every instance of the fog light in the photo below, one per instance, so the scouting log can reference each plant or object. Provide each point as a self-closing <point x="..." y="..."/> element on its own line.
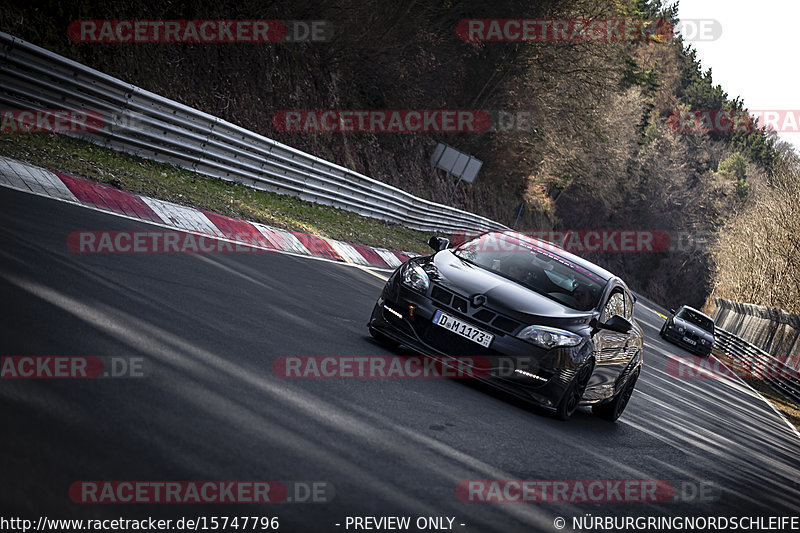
<point x="392" y="311"/>
<point x="529" y="375"/>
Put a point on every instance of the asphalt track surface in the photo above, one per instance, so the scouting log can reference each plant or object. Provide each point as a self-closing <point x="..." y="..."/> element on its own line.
<point x="210" y="407"/>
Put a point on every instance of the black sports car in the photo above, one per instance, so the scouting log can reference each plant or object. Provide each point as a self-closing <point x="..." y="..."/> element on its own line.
<point x="553" y="328"/>
<point x="690" y="329"/>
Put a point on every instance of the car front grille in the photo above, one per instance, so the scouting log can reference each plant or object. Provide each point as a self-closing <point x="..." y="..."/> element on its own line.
<point x="460" y="304"/>
<point x="484" y="315"/>
<point x="441" y="295"/>
<point x="495" y="322"/>
<point x="505" y="324"/>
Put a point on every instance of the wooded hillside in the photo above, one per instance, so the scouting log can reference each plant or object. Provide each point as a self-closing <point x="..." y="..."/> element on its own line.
<point x="595" y="151"/>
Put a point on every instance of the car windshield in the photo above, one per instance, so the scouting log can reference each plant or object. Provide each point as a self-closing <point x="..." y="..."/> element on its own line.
<point x="536" y="266"/>
<point x="697" y="319"/>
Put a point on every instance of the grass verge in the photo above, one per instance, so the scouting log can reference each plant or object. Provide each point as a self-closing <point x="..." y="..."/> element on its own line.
<point x="174" y="184"/>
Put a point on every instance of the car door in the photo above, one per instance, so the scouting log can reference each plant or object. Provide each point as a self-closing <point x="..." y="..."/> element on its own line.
<point x="613" y="350"/>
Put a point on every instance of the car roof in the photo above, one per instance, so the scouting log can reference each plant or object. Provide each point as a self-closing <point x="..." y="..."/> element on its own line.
<point x="553" y="248"/>
<point x="696" y="311"/>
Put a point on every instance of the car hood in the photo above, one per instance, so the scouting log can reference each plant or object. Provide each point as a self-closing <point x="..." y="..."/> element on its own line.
<point x="697" y="330"/>
<point x="502" y="294"/>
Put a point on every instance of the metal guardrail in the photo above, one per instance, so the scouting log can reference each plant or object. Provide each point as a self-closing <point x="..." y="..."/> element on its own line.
<point x="774" y="330"/>
<point x="145" y="124"/>
<point x="757" y="363"/>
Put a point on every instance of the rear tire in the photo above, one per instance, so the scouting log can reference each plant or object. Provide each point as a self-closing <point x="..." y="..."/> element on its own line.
<point x="612" y="410"/>
<point x="572" y="397"/>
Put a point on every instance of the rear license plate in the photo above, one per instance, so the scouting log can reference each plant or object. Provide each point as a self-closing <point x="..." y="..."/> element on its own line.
<point x="466" y="330"/>
<point x="690" y="341"/>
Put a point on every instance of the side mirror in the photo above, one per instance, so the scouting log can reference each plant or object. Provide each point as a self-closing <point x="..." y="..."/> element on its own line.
<point x="617" y="323"/>
<point x="439" y="243"/>
<point x="671" y="310"/>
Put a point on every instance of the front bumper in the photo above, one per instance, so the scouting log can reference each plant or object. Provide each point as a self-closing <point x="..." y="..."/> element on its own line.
<point x="509" y="363"/>
<point x="675" y="337"/>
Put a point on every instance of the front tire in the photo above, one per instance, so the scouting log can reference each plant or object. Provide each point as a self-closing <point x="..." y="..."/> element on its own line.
<point x="612" y="410"/>
<point x="572" y="397"/>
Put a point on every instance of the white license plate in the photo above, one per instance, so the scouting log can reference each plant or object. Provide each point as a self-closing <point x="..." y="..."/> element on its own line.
<point x="459" y="327"/>
<point x="690" y="341"/>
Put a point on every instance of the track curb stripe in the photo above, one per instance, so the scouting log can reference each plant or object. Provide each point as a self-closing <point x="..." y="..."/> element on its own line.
<point x="32" y="179"/>
<point x="237" y="230"/>
<point x="370" y="255"/>
<point x="318" y="246"/>
<point x="109" y="198"/>
<point x="348" y="252"/>
<point x="182" y="217"/>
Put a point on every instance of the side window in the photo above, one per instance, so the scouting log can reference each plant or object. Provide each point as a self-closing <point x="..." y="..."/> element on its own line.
<point x="628" y="305"/>
<point x="614" y="306"/>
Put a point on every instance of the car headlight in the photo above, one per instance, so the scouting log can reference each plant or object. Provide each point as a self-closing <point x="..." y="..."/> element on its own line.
<point x="705" y="342"/>
<point x="415" y="277"/>
<point x="681" y="330"/>
<point x="547" y="337"/>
